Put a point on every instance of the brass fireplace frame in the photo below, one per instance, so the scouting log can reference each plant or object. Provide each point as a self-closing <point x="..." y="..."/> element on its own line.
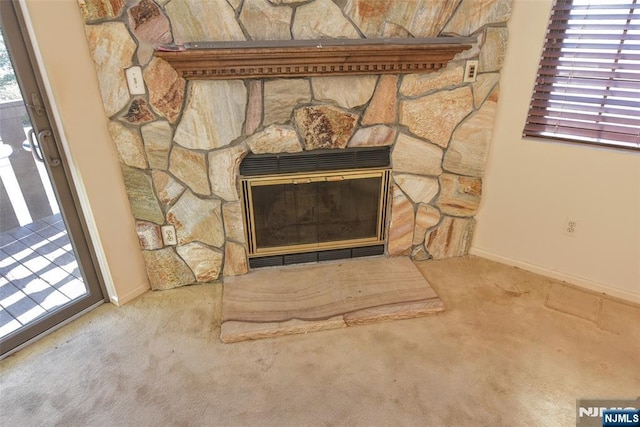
<point x="248" y="183"/>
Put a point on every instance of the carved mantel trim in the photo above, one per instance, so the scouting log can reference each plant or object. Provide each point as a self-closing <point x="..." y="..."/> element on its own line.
<point x="297" y="58"/>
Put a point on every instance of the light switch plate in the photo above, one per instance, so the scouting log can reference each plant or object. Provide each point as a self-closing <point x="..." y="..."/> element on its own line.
<point x="135" y="81"/>
<point x="470" y="71"/>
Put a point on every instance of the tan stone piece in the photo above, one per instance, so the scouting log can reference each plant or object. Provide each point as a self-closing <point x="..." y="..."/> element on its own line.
<point x="420" y="84"/>
<point x="190" y="167"/>
<point x="166" y="270"/>
<point x="206" y="263"/>
<point x="254" y="107"/>
<point x="420" y="189"/>
<point x="233" y="222"/>
<point x="157" y="142"/>
<point x="435" y="116"/>
<point x="197" y="21"/>
<point x="483" y="86"/>
<point x="346" y="91"/>
<point x="275" y="139"/>
<point x="197" y="219"/>
<point x="469" y="148"/>
<point x="214" y="114"/>
<point x="166" y="89"/>
<point x="231" y="331"/>
<point x="138" y="112"/>
<point x="400" y="311"/>
<point x="427" y="216"/>
<point x="412" y="155"/>
<point x="383" y="108"/>
<point x="281" y="96"/>
<point x="167" y="188"/>
<point x="493" y="51"/>
<point x="381" y="18"/>
<point x="459" y="195"/>
<point x="266" y="22"/>
<point x="374" y="136"/>
<point x="474" y="14"/>
<point x="452" y="238"/>
<point x="149" y="235"/>
<point x="235" y="259"/>
<point x="111" y="49"/>
<point x="93" y="10"/>
<point x="321" y="19"/>
<point x="401" y="225"/>
<point x="129" y="145"/>
<point x="223" y="171"/>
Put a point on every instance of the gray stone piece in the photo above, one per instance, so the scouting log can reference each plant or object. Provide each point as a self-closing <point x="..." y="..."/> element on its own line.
<point x="144" y="204"/>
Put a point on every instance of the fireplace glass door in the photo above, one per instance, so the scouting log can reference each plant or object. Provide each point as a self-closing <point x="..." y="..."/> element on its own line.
<point x="296" y="213"/>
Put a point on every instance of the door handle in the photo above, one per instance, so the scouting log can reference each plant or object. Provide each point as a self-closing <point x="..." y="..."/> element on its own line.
<point x="35" y="147"/>
<point x="52" y="159"/>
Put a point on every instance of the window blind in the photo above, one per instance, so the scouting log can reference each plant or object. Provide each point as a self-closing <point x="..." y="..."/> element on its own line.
<point x="588" y="83"/>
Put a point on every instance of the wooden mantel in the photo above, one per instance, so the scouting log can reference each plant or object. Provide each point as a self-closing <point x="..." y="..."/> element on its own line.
<point x="297" y="58"/>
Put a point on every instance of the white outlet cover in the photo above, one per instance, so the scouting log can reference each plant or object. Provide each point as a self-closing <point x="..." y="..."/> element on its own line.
<point x="135" y="81"/>
<point x="470" y="71"/>
<point x="169" y="235"/>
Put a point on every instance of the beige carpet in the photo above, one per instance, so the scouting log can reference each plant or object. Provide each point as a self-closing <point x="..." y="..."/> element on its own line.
<point x="305" y="298"/>
<point x="502" y="354"/>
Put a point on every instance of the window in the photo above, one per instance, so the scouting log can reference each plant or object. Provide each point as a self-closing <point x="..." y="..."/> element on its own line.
<point x="588" y="84"/>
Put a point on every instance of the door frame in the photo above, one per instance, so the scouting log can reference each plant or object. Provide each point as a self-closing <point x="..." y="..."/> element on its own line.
<point x="39" y="110"/>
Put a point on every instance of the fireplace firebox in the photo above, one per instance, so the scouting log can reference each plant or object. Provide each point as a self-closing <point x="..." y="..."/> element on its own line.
<point x="315" y="206"/>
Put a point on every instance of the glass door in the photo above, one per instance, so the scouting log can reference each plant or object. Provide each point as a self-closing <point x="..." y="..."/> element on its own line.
<point x="47" y="271"/>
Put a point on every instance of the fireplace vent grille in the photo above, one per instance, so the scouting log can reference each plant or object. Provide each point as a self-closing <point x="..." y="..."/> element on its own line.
<point x="313" y="161"/>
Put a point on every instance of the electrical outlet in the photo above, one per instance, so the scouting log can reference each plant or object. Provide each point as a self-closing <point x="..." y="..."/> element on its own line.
<point x="570" y="227"/>
<point x="169" y="235"/>
<point x="134" y="80"/>
<point x="470" y="71"/>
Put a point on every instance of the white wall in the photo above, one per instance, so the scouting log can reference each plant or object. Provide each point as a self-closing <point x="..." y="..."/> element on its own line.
<point x="532" y="187"/>
<point x="59" y="33"/>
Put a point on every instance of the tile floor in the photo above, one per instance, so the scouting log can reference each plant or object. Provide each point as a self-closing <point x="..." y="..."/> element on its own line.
<point x="38" y="272"/>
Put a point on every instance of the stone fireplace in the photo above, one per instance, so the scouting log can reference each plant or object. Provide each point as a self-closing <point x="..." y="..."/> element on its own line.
<point x="181" y="143"/>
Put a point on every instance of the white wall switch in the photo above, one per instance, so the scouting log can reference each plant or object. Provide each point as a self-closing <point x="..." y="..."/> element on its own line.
<point x="169" y="235"/>
<point x="134" y="80"/>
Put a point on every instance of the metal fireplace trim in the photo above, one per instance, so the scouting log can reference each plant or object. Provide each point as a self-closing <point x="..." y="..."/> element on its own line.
<point x="306" y="178"/>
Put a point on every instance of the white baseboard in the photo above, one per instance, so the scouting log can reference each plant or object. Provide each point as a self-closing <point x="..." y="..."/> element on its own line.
<point x="569" y="278"/>
<point x="123" y="299"/>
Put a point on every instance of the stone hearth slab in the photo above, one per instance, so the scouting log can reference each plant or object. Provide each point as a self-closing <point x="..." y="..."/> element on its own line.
<point x="305" y="298"/>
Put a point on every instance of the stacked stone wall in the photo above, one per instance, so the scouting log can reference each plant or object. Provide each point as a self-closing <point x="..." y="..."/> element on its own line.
<point x="181" y="142"/>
